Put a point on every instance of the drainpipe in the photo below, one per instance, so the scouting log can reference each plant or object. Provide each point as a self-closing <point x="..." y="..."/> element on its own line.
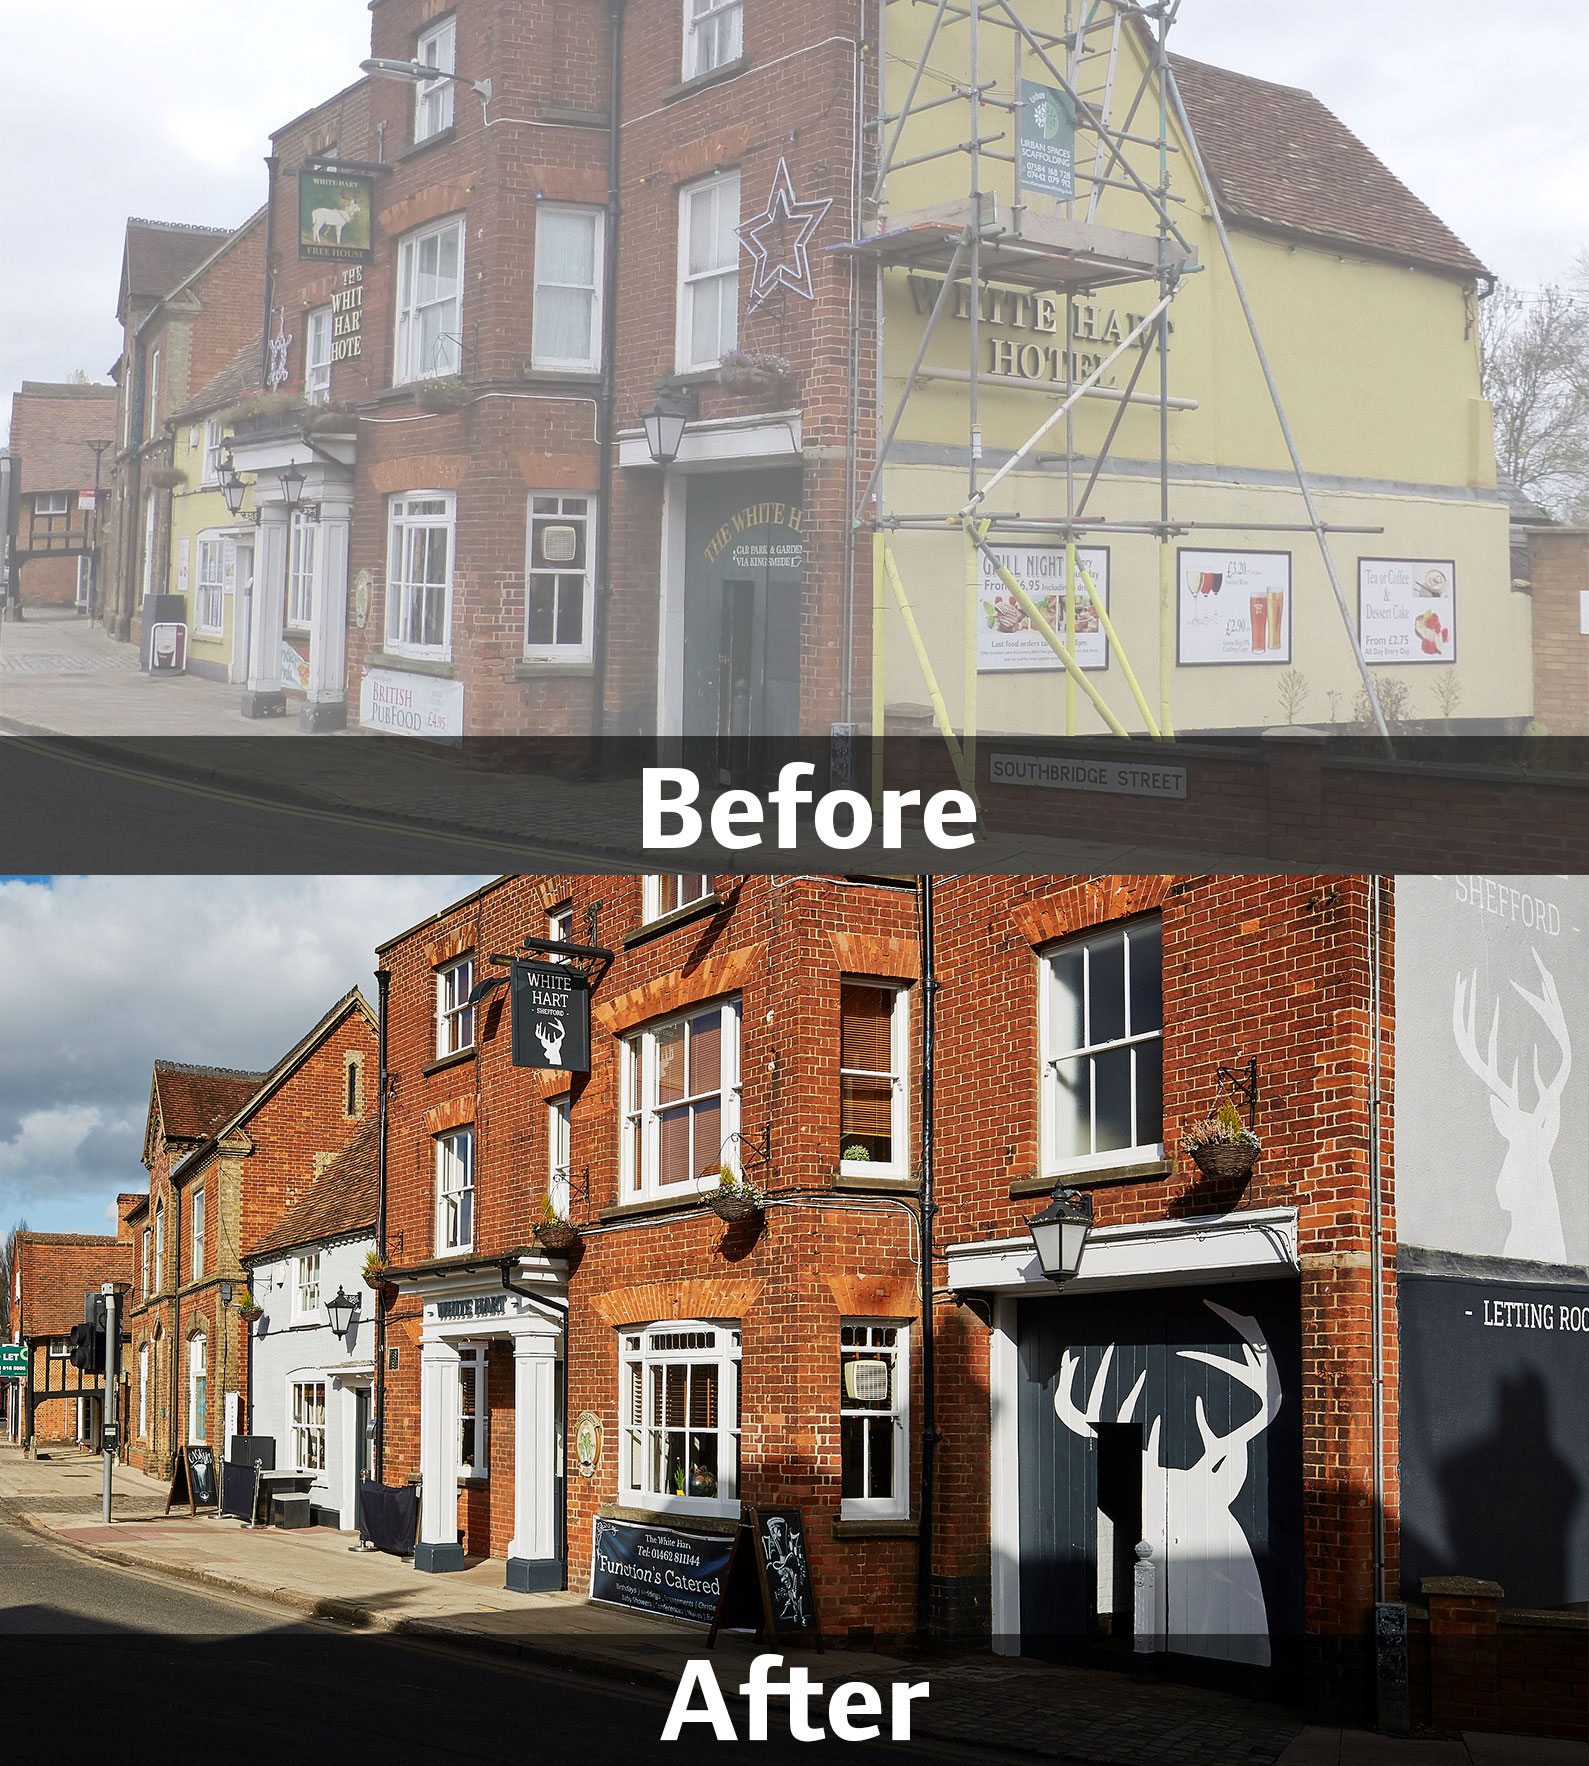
<point x="607" y="425"/>
<point x="928" y="1208"/>
<point x="1376" y="1229"/>
<point x="383" y="981"/>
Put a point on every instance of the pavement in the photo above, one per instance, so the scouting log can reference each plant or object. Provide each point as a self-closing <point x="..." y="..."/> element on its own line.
<point x="1074" y="1714"/>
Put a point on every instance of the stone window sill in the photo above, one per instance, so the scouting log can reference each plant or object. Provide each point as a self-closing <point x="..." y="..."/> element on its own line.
<point x="528" y="669"/>
<point x="688" y="88"/>
<point x="1151" y="1171"/>
<point x="653" y="1205"/>
<point x="671" y="1518"/>
<point x="877" y="1529"/>
<point x="863" y="1185"/>
<point x="413" y="665"/>
<point x="446" y="1061"/>
<point x="694" y="910"/>
<point x="442" y="138"/>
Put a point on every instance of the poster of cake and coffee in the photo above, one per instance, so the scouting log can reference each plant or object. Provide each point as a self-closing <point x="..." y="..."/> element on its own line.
<point x="1407" y="609"/>
<point x="1007" y="642"/>
<point x="1235" y="608"/>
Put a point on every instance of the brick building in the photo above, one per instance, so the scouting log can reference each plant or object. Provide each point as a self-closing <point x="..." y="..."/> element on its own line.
<point x="54" y="1274"/>
<point x="777" y="1025"/>
<point x="227" y="1152"/>
<point x="1558" y="559"/>
<point x="56" y="512"/>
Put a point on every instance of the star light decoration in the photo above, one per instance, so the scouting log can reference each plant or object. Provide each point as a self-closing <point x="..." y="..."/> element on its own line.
<point x="276" y="374"/>
<point x="783" y="264"/>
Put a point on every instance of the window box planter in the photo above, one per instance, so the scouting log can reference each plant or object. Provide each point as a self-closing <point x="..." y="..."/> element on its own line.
<point x="556" y="1235"/>
<point x="441" y="397"/>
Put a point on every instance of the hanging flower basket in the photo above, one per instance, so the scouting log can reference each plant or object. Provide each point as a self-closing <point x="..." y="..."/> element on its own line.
<point x="250" y="1312"/>
<point x="442" y="396"/>
<point x="1225" y="1160"/>
<point x="556" y="1235"/>
<point x="165" y="478"/>
<point x="1221" y="1147"/>
<point x="753" y="376"/>
<point x="375" y="1277"/>
<point x="726" y="1205"/>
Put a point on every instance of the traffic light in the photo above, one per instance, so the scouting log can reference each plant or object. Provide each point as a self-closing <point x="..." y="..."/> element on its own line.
<point x="88" y="1339"/>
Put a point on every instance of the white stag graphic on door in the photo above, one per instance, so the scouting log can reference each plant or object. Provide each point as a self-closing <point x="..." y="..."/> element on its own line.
<point x="1208" y="1596"/>
<point x="1525" y="1186"/>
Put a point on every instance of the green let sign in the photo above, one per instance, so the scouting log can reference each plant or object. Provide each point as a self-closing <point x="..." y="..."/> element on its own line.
<point x="13" y="1360"/>
<point x="1045" y="149"/>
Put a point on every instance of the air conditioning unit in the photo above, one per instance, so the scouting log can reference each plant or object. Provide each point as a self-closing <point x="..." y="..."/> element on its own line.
<point x="559" y="543"/>
<point x="168" y="649"/>
<point x="866" y="1382"/>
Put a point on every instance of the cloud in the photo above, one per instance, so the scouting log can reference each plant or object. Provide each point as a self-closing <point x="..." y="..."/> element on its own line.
<point x="106" y="974"/>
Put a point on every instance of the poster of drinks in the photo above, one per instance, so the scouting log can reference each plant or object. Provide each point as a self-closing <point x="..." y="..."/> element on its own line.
<point x="1407" y="609"/>
<point x="1007" y="642"/>
<point x="1235" y="607"/>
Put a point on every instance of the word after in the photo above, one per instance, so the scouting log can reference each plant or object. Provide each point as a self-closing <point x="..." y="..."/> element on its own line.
<point x="848" y="1708"/>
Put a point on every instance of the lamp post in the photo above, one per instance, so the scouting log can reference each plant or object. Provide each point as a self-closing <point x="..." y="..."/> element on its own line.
<point x="340" y="1311"/>
<point x="1060" y="1234"/>
<point x="233" y="488"/>
<point x="664" y="426"/>
<point x="291" y="479"/>
<point x="100" y="448"/>
<point x="420" y="73"/>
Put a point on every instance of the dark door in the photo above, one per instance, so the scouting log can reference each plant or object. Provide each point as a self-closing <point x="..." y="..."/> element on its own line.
<point x="744" y="585"/>
<point x="363" y="1432"/>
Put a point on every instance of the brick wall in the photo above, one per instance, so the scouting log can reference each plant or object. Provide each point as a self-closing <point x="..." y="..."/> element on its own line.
<point x="1560" y="558"/>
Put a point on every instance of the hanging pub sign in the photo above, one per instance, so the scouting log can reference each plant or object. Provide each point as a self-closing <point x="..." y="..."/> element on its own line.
<point x="1045" y="144"/>
<point x="551" y="1016"/>
<point x="335" y="211"/>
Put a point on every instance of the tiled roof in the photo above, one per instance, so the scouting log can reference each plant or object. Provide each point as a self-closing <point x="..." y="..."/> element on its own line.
<point x="195" y="1101"/>
<point x="161" y="254"/>
<point x="340" y="1201"/>
<point x="235" y="382"/>
<point x="51" y="427"/>
<point x="1280" y="159"/>
<point x="58" y="1269"/>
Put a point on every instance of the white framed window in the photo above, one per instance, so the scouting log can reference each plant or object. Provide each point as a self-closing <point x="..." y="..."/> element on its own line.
<point x="154" y="396"/>
<point x="667" y="893"/>
<point x="874" y="1397"/>
<point x="708" y="293"/>
<point x="151" y="523"/>
<point x="419" y="574"/>
<point x="681" y="1100"/>
<point x="429" y="302"/>
<point x="198" y="1387"/>
<point x="560" y="925"/>
<point x="317" y="356"/>
<point x="714" y="35"/>
<point x="209" y="597"/>
<point x="50" y="503"/>
<point x="474" y="1413"/>
<point x="874" y="1094"/>
<point x="681" y="1406"/>
<point x="438" y="48"/>
<point x="143" y="1390"/>
<point x="213" y="430"/>
<point x="145" y="1290"/>
<point x="558" y="1187"/>
<point x="159" y="1246"/>
<point x="306" y="1288"/>
<point x="1103" y="1049"/>
<point x="566" y="329"/>
<point x="303" y="546"/>
<point x="308" y="1425"/>
<point x="455" y="1191"/>
<point x="560" y="592"/>
<point x="454" y="1014"/>
<point x="60" y="1348"/>
<point x="196" y="1262"/>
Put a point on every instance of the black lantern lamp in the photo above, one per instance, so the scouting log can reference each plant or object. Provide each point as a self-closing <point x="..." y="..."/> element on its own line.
<point x="664" y="427"/>
<point x="232" y="486"/>
<point x="291" y="479"/>
<point x="1060" y="1233"/>
<point x="341" y="1310"/>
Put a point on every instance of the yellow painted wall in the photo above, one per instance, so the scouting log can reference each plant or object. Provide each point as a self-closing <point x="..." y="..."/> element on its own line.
<point x="1378" y="367"/>
<point x="199" y="511"/>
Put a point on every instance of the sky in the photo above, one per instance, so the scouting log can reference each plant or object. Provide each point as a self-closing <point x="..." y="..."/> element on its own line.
<point x="104" y="975"/>
<point x="163" y="110"/>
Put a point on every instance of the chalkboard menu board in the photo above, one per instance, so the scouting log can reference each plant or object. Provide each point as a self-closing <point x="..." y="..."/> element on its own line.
<point x="768" y="1586"/>
<point x="658" y="1570"/>
<point x="193" y="1479"/>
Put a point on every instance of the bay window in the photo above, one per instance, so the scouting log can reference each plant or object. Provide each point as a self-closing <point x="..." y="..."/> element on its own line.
<point x="874" y="1053"/>
<point x="455" y="1191"/>
<point x="1103" y="1049"/>
<point x="680" y="1101"/>
<point x="681" y="1408"/>
<point x="874" y="1445"/>
<point x="429" y="303"/>
<point x="419" y="574"/>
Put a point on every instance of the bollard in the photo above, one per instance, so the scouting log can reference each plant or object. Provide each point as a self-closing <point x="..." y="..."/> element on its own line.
<point x="1144" y="1625"/>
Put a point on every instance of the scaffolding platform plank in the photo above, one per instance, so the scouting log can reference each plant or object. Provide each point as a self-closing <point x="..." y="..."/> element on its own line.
<point x="1020" y="248"/>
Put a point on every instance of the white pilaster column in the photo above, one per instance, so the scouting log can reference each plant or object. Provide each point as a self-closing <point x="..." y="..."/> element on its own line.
<point x="438" y="1547"/>
<point x="327" y="707"/>
<point x="533" y="1559"/>
<point x="264" y="697"/>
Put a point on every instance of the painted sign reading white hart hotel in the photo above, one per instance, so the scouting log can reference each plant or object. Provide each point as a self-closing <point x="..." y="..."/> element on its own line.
<point x="1492" y="1066"/>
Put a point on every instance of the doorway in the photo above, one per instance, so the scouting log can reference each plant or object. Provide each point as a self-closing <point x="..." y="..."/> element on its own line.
<point x="242" y="608"/>
<point x="363" y="1437"/>
<point x="1119" y="1527"/>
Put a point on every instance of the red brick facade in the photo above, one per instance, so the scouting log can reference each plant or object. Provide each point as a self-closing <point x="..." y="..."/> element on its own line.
<point x="1560" y="573"/>
<point x="54" y="1271"/>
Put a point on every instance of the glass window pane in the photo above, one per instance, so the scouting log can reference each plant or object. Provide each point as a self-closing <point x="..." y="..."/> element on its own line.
<point x="708" y="1137"/>
<point x="703" y="1465"/>
<point x="570" y="610"/>
<point x="865" y="1021"/>
<point x="880" y="1456"/>
<point x="703" y="231"/>
<point x="1072" y="1134"/>
<point x="673" y="1146"/>
<point x="706" y="1045"/>
<point x="670" y="1063"/>
<point x="1147" y="993"/>
<point x="852" y="1451"/>
<point x="1112" y="1100"/>
<point x="1106" y="990"/>
<point x="1150" y="1093"/>
<point x="866" y="1118"/>
<point x="703" y="1396"/>
<point x="675" y="1389"/>
<point x="1065" y="1000"/>
<point x="542" y="611"/>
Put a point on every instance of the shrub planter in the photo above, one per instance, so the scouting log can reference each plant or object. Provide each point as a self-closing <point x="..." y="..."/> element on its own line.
<point x="556" y="1235"/>
<point x="727" y="1206"/>
<point x="1225" y="1161"/>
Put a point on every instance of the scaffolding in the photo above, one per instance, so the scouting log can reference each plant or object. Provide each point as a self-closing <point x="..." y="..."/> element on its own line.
<point x="1044" y="235"/>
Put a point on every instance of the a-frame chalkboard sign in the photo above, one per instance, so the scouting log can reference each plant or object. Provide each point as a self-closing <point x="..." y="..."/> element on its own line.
<point x="768" y="1586"/>
<point x="193" y="1478"/>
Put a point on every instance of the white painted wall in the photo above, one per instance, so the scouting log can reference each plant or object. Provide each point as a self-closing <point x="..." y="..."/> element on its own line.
<point x="288" y="1349"/>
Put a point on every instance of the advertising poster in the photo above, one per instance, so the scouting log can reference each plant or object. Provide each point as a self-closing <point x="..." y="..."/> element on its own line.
<point x="1006" y="641"/>
<point x="655" y="1570"/>
<point x="334" y="216"/>
<point x="1235" y="608"/>
<point x="1046" y="142"/>
<point x="1407" y="609"/>
<point x="410" y="705"/>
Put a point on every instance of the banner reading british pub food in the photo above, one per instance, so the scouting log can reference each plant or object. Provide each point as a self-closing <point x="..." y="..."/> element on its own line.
<point x="1007" y="642"/>
<point x="1234" y="608"/>
<point x="1407" y="609"/>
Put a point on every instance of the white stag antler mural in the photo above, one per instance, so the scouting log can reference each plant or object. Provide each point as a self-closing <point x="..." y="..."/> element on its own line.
<point x="1208" y="1597"/>
<point x="1526" y="1185"/>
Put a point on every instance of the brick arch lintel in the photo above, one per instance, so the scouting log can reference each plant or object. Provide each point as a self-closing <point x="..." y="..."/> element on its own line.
<point x="1098" y="901"/>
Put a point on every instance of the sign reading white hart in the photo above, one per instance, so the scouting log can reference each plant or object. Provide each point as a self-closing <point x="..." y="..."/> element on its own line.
<point x="410" y="705"/>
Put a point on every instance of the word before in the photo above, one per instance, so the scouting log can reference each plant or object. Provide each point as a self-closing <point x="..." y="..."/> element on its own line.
<point x="668" y="820"/>
<point x="855" y="1698"/>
